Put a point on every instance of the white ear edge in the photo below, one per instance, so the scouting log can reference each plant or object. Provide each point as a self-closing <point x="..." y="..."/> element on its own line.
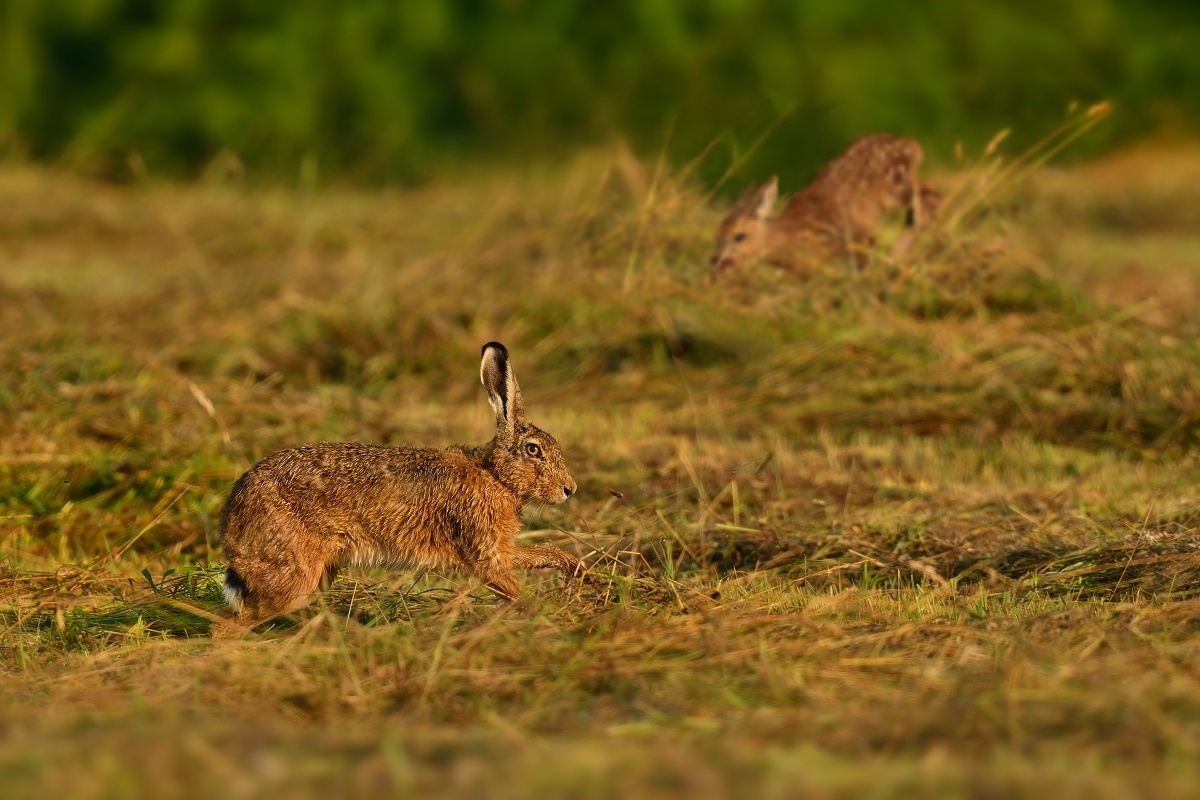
<point x="504" y="395"/>
<point x="497" y="405"/>
<point x="767" y="197"/>
<point x="493" y="372"/>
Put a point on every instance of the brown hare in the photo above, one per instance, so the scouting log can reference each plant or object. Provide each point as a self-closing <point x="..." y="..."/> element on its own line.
<point x="837" y="215"/>
<point x="299" y="514"/>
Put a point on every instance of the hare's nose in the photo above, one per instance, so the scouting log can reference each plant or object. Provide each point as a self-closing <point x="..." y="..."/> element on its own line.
<point x="567" y="492"/>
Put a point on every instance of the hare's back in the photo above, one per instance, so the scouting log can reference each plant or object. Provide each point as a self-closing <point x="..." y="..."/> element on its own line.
<point x="335" y="479"/>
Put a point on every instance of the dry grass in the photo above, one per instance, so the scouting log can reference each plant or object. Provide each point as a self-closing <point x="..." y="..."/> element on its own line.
<point x="930" y="529"/>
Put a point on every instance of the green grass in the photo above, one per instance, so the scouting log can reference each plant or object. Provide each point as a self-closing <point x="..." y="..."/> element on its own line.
<point x="927" y="529"/>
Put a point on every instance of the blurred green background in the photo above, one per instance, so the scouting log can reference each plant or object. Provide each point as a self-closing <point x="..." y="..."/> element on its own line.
<point x="377" y="91"/>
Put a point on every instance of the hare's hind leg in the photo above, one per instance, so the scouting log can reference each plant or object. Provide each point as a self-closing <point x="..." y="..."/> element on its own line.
<point x="259" y="592"/>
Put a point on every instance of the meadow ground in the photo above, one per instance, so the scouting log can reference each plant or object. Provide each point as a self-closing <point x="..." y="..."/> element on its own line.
<point x="930" y="529"/>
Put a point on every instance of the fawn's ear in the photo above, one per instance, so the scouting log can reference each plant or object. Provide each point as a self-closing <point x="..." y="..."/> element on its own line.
<point x="504" y="395"/>
<point x="766" y="197"/>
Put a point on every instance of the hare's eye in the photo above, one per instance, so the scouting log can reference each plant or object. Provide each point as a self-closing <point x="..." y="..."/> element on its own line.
<point x="739" y="237"/>
<point x="533" y="450"/>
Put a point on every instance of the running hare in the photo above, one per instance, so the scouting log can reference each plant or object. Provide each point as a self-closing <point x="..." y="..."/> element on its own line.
<point x="837" y="215"/>
<point x="297" y="515"/>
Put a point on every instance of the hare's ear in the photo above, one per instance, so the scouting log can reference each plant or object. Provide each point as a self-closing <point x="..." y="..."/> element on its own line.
<point x="504" y="395"/>
<point x="766" y="197"/>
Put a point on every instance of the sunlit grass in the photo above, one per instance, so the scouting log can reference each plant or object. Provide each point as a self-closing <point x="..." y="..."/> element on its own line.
<point x="928" y="528"/>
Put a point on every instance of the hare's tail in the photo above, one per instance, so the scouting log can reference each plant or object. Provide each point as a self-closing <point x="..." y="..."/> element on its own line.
<point x="235" y="590"/>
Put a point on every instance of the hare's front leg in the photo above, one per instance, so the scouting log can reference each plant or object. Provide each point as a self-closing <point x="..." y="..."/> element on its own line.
<point x="548" y="558"/>
<point x="499" y="576"/>
<point x="502" y="583"/>
<point x="489" y="550"/>
<point x="496" y="564"/>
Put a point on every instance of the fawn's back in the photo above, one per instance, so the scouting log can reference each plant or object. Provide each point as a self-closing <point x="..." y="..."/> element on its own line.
<point x="853" y="193"/>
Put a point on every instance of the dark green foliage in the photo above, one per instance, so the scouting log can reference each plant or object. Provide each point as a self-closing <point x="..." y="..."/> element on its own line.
<point x="379" y="90"/>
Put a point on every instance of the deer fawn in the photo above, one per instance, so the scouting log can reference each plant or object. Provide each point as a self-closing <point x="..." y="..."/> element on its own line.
<point x="837" y="215"/>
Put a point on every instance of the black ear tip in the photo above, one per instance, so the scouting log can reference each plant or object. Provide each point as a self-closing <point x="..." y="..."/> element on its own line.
<point x="495" y="346"/>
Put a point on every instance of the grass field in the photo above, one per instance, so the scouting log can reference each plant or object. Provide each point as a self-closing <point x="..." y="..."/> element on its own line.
<point x="926" y="530"/>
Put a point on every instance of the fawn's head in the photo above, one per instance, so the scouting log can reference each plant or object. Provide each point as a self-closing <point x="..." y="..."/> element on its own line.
<point x="523" y="457"/>
<point x="742" y="235"/>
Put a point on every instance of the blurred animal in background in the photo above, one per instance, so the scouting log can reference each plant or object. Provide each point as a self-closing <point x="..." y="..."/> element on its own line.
<point x="836" y="216"/>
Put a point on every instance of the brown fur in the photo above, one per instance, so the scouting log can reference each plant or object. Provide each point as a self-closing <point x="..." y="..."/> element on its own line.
<point x="299" y="514"/>
<point x="837" y="215"/>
